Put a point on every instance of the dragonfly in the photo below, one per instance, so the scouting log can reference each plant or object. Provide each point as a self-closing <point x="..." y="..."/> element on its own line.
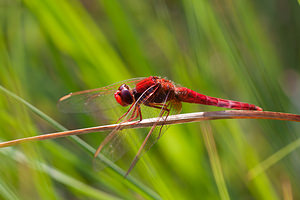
<point x="153" y="92"/>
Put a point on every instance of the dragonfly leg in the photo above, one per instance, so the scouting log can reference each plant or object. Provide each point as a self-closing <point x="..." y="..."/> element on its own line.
<point x="161" y="106"/>
<point x="167" y="115"/>
<point x="136" y="158"/>
<point x="137" y="109"/>
<point x="140" y="113"/>
<point x="125" y="113"/>
<point x="135" y="114"/>
<point x="137" y="104"/>
<point x="164" y="108"/>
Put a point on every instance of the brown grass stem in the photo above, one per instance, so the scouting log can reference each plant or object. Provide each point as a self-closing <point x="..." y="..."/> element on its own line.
<point x="174" y="119"/>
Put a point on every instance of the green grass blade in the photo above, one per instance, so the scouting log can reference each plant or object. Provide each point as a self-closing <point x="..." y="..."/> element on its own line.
<point x="58" y="176"/>
<point x="215" y="163"/>
<point x="273" y="159"/>
<point x="6" y="192"/>
<point x="83" y="144"/>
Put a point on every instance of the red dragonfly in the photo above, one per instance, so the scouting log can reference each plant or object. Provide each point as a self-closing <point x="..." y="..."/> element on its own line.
<point x="154" y="92"/>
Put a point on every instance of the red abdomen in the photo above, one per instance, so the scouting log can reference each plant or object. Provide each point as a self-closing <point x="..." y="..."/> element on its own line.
<point x="186" y="95"/>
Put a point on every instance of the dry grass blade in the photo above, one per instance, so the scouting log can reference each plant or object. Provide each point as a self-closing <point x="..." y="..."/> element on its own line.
<point x="174" y="119"/>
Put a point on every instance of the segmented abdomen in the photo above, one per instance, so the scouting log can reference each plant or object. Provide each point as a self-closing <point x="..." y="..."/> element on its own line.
<point x="190" y="96"/>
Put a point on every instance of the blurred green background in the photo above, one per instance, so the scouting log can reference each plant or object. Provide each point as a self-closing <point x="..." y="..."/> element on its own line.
<point x="241" y="50"/>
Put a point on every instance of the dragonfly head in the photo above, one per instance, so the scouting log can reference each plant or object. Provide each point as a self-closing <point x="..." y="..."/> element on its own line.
<point x="124" y="96"/>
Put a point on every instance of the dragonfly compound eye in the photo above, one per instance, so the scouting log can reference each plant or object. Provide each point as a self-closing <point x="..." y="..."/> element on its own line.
<point x="123" y="96"/>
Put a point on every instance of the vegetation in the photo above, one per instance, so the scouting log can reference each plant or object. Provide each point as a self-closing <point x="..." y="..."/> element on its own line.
<point x="241" y="50"/>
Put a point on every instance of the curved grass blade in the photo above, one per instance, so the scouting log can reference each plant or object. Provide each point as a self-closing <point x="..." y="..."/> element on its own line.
<point x="83" y="145"/>
<point x="274" y="158"/>
<point x="58" y="176"/>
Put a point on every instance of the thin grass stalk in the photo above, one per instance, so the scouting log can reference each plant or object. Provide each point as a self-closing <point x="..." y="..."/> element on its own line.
<point x="215" y="161"/>
<point x="84" y="145"/>
<point x="173" y="119"/>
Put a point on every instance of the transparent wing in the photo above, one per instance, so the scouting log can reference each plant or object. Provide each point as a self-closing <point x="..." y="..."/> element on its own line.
<point x="175" y="108"/>
<point x="155" y="132"/>
<point x="117" y="142"/>
<point x="114" y="150"/>
<point x="93" y="100"/>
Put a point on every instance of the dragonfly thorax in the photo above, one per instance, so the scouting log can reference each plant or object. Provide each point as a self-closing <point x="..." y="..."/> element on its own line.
<point x="124" y="96"/>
